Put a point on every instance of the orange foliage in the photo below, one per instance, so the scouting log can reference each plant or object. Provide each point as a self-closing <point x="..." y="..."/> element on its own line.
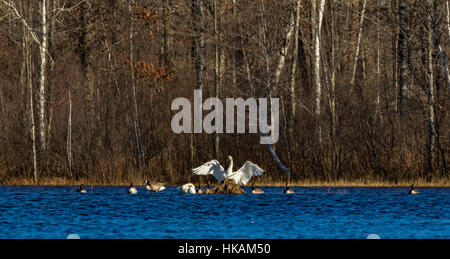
<point x="149" y="72"/>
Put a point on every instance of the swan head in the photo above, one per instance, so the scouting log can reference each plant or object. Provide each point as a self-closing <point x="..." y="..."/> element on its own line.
<point x="230" y="158"/>
<point x="146" y="182"/>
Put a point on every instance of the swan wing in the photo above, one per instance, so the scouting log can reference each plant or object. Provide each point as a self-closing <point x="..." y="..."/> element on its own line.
<point x="212" y="167"/>
<point x="245" y="173"/>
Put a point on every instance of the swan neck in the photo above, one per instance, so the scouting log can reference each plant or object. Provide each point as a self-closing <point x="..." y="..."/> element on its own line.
<point x="230" y="168"/>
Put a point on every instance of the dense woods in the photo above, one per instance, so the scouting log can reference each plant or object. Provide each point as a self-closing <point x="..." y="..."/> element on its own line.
<point x="86" y="87"/>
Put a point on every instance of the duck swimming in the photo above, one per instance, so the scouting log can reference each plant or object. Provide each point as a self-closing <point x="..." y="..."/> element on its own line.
<point x="82" y="189"/>
<point x="413" y="190"/>
<point x="188" y="188"/>
<point x="256" y="190"/>
<point x="132" y="189"/>
<point x="287" y="190"/>
<point x="154" y="187"/>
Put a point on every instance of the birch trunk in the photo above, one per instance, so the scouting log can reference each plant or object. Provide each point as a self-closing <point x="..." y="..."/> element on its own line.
<point x="316" y="62"/>
<point x="438" y="47"/>
<point x="283" y="50"/>
<point x="358" y="42"/>
<point x="137" y="130"/>
<point x="33" y="126"/>
<point x="293" y="72"/>
<point x="42" y="77"/>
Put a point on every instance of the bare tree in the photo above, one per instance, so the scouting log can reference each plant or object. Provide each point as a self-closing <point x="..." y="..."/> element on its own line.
<point x="448" y="19"/>
<point x="431" y="93"/>
<point x="137" y="130"/>
<point x="358" y="42"/>
<point x="317" y="26"/>
<point x="200" y="63"/>
<point x="292" y="82"/>
<point x="402" y="52"/>
<point x="69" y="137"/>
<point x="43" y="49"/>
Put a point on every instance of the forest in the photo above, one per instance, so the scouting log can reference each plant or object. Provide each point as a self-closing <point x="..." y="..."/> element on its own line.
<point x="86" y="89"/>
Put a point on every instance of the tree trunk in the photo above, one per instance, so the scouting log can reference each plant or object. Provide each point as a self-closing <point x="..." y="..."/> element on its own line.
<point x="293" y="72"/>
<point x="448" y="19"/>
<point x="284" y="48"/>
<point x="316" y="62"/>
<point x="200" y="66"/>
<point x="42" y="79"/>
<point x="137" y="130"/>
<point x="69" y="137"/>
<point x="378" y="106"/>
<point x="27" y="59"/>
<point x="217" y="72"/>
<point x="358" y="43"/>
<point x="402" y="53"/>
<point x="86" y="56"/>
<point x="431" y="97"/>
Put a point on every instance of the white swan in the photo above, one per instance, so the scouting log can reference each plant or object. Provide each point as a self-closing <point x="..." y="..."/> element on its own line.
<point x="241" y="176"/>
<point x="154" y="187"/>
<point x="188" y="188"/>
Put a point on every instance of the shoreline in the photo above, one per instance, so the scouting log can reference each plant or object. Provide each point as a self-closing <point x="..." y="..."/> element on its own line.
<point x="54" y="182"/>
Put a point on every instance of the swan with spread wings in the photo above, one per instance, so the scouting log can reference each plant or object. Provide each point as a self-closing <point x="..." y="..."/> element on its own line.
<point x="241" y="176"/>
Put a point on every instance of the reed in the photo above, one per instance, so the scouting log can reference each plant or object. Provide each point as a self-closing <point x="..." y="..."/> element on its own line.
<point x="61" y="181"/>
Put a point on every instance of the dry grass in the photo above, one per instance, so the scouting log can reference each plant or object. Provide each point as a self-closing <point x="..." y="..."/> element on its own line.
<point x="445" y="182"/>
<point x="228" y="187"/>
<point x="59" y="181"/>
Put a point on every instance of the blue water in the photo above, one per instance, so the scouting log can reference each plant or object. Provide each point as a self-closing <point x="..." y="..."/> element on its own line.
<point x="109" y="212"/>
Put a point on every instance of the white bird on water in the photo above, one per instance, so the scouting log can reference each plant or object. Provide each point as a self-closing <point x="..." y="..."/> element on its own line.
<point x="240" y="177"/>
<point x="188" y="188"/>
<point x="132" y="189"/>
<point x="154" y="187"/>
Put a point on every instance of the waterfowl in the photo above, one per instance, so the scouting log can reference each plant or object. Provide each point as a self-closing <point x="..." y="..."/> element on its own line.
<point x="132" y="189"/>
<point x="413" y="190"/>
<point x="208" y="190"/>
<point x="256" y="190"/>
<point x="287" y="190"/>
<point x="188" y="188"/>
<point x="82" y="189"/>
<point x="240" y="177"/>
<point x="154" y="187"/>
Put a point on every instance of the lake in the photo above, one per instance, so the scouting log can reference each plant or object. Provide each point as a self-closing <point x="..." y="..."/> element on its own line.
<point x="109" y="212"/>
